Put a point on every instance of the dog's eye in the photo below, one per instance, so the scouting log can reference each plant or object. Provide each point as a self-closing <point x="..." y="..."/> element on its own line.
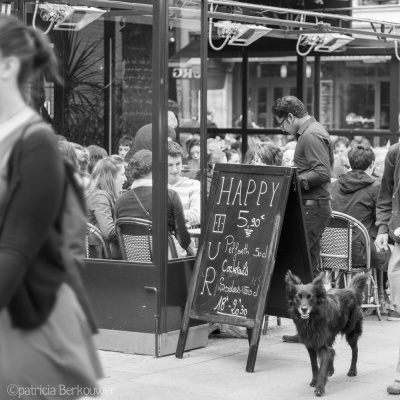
<point x="309" y="296"/>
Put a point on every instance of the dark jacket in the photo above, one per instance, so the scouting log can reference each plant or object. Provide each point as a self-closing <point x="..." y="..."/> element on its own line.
<point x="389" y="195"/>
<point x="30" y="240"/>
<point x="313" y="157"/>
<point x="128" y="206"/>
<point x="356" y="194"/>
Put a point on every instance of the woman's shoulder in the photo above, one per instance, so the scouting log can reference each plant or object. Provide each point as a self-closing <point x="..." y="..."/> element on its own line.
<point x="98" y="195"/>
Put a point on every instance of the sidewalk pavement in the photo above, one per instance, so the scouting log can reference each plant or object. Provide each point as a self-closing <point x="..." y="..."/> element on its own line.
<point x="282" y="370"/>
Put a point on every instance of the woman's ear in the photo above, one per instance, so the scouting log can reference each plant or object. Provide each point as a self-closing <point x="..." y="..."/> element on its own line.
<point x="9" y="67"/>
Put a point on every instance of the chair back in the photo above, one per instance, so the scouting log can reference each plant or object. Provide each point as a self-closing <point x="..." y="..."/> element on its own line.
<point x="135" y="238"/>
<point x="337" y="243"/>
<point x="91" y="229"/>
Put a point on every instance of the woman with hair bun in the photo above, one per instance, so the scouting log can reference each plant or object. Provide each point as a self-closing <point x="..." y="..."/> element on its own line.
<point x="45" y="338"/>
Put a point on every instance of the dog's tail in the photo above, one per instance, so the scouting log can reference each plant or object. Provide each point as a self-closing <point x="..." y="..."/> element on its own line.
<point x="358" y="283"/>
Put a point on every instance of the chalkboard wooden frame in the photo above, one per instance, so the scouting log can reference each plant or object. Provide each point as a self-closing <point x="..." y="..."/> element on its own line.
<point x="291" y="253"/>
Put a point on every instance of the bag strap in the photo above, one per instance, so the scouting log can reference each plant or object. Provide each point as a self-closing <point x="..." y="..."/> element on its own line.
<point x="141" y="205"/>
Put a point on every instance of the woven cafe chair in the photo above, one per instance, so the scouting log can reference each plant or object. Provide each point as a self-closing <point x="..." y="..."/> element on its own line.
<point x="135" y="238"/>
<point x="91" y="229"/>
<point x="336" y="256"/>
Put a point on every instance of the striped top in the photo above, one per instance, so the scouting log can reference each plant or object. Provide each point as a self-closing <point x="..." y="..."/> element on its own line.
<point x="189" y="192"/>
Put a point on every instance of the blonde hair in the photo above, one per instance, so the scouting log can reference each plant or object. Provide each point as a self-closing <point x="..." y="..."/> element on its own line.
<point x="103" y="176"/>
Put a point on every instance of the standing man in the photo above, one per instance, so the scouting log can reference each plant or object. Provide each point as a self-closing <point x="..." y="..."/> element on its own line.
<point x="388" y="223"/>
<point x="313" y="157"/>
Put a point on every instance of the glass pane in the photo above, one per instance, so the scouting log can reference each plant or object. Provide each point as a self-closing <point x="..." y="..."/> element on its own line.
<point x="184" y="102"/>
<point x="355" y="94"/>
<point x="107" y="94"/>
<point x="224" y="92"/>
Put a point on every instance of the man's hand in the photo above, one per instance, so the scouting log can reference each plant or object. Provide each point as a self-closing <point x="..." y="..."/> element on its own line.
<point x="381" y="242"/>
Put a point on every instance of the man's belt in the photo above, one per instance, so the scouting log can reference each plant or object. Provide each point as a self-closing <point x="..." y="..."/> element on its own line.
<point x="316" y="202"/>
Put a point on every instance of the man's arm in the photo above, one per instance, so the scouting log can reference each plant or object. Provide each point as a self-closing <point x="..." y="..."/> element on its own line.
<point x="384" y="202"/>
<point x="317" y="154"/>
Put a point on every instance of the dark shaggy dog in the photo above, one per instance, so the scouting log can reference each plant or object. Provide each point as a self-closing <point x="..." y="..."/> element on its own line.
<point x="319" y="316"/>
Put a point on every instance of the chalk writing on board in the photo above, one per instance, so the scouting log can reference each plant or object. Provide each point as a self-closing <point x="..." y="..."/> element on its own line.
<point x="240" y="228"/>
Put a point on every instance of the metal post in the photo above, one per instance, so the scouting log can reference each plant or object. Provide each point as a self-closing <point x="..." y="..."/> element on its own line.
<point x="203" y="107"/>
<point x="245" y="95"/>
<point x="159" y="138"/>
<point x="302" y="78"/>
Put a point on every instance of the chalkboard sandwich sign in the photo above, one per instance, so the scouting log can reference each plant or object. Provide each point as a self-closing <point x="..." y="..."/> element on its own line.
<point x="254" y="233"/>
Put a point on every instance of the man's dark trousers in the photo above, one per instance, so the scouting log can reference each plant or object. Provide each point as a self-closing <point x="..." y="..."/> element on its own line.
<point x="316" y="218"/>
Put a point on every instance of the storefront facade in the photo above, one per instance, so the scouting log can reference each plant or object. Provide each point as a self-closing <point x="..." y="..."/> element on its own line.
<point x="136" y="60"/>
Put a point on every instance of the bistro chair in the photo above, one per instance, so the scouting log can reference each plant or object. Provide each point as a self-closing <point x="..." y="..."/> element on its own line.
<point x="135" y="239"/>
<point x="337" y="260"/>
<point x="90" y="252"/>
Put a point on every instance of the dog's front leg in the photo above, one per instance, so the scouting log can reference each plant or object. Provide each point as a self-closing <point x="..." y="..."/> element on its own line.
<point x="314" y="365"/>
<point x="327" y="357"/>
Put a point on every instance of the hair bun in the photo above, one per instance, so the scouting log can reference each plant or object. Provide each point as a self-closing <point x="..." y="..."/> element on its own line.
<point x="43" y="53"/>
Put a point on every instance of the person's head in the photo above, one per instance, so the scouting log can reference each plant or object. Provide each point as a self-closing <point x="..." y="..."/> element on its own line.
<point x="193" y="148"/>
<point x="96" y="153"/>
<point x="216" y="156"/>
<point x="174" y="162"/>
<point x="108" y="175"/>
<point x="172" y="121"/>
<point x="289" y="112"/>
<point x="362" y="157"/>
<point x="124" y="145"/>
<point x="232" y="156"/>
<point x="379" y="166"/>
<point x="68" y="152"/>
<point x="213" y="145"/>
<point x="342" y="146"/>
<point x="288" y="156"/>
<point x="23" y="50"/>
<point x="61" y="138"/>
<point x="141" y="165"/>
<point x="266" y="153"/>
<point x="83" y="160"/>
<point x="338" y="168"/>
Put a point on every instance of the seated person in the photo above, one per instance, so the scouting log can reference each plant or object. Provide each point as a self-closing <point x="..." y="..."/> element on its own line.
<point x="338" y="168"/>
<point x="188" y="189"/>
<point x="216" y="156"/>
<point x="96" y="153"/>
<point x="193" y="160"/>
<point x="143" y="139"/>
<point x="355" y="194"/>
<point x="379" y="168"/>
<point x="124" y="145"/>
<point x="233" y="156"/>
<point x="105" y="185"/>
<point x="342" y="148"/>
<point x="266" y="153"/>
<point x="288" y="157"/>
<point x="137" y="202"/>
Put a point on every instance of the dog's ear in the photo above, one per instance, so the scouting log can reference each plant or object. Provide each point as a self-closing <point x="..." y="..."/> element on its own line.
<point x="291" y="279"/>
<point x="319" y="280"/>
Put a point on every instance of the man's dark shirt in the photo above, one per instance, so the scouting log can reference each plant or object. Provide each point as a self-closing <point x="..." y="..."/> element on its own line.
<point x="313" y="157"/>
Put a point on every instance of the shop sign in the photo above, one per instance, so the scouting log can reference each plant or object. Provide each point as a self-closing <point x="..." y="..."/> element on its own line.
<point x="185" y="73"/>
